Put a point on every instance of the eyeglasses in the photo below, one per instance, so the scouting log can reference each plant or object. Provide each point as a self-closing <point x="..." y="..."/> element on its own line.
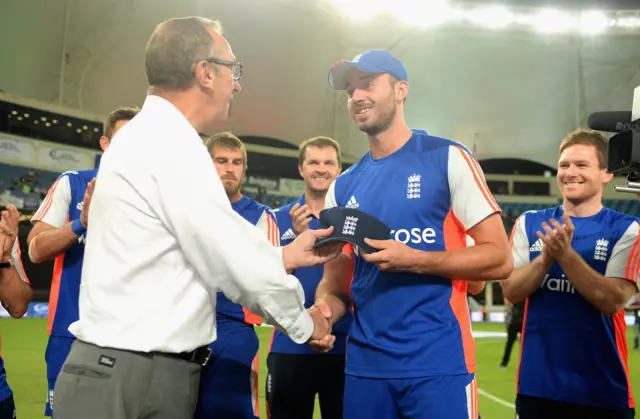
<point x="236" y="66"/>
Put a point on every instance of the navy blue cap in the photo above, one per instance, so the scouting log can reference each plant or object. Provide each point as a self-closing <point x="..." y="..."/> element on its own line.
<point x="376" y="61"/>
<point x="352" y="226"/>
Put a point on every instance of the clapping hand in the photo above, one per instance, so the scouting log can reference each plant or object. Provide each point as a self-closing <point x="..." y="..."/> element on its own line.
<point x="300" y="218"/>
<point x="86" y="203"/>
<point x="557" y="237"/>
<point x="321" y="340"/>
<point x="9" y="220"/>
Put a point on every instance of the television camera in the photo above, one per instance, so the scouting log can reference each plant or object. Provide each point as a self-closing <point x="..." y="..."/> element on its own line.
<point x="624" y="146"/>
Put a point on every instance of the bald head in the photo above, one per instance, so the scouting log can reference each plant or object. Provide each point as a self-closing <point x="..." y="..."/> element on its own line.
<point x="176" y="46"/>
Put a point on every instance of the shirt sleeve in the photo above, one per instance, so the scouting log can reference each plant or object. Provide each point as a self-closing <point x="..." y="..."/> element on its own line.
<point x="16" y="256"/>
<point x="623" y="262"/>
<point x="54" y="209"/>
<point x="471" y="199"/>
<point x="269" y="226"/>
<point x="330" y="197"/>
<point x="228" y="253"/>
<point x="520" y="243"/>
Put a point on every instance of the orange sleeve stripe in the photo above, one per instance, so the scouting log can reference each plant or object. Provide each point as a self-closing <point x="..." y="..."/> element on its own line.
<point x="480" y="182"/>
<point x="48" y="201"/>
<point x="273" y="235"/>
<point x="55" y="289"/>
<point x="513" y="231"/>
<point x="635" y="262"/>
<point x="633" y="265"/>
<point x="455" y="238"/>
<point x="19" y="262"/>
<point x="273" y="232"/>
<point x="620" y="330"/>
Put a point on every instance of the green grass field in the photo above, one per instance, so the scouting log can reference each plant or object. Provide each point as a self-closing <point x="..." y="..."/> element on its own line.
<point x="24" y="342"/>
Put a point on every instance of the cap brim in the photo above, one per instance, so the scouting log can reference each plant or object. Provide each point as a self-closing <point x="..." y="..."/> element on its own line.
<point x="330" y="239"/>
<point x="339" y="73"/>
<point x="345" y="240"/>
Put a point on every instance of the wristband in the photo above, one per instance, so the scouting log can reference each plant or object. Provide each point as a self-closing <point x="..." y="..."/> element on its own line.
<point x="7" y="264"/>
<point x="77" y="227"/>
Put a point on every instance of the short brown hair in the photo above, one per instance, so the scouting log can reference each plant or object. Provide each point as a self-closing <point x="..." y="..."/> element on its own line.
<point x="226" y="140"/>
<point x="174" y="49"/>
<point x="122" y="113"/>
<point x="318" y="142"/>
<point x="588" y="137"/>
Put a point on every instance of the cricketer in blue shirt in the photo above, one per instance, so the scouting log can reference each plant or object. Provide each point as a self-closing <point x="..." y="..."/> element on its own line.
<point x="229" y="381"/>
<point x="410" y="351"/>
<point x="298" y="373"/>
<point x="59" y="233"/>
<point x="576" y="266"/>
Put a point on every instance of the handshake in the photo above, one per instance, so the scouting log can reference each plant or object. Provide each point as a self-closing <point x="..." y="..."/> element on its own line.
<point x="321" y="339"/>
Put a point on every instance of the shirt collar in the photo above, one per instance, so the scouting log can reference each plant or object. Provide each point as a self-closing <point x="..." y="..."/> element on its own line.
<point x="162" y="106"/>
<point x="241" y="203"/>
<point x="301" y="202"/>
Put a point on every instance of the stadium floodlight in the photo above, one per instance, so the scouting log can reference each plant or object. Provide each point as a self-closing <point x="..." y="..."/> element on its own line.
<point x="433" y="13"/>
<point x="628" y="22"/>
<point x="554" y="21"/>
<point x="593" y="22"/>
<point x="423" y="14"/>
<point x="493" y="17"/>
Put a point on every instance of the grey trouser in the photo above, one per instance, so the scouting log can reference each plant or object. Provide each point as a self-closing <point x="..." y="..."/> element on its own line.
<point x="99" y="383"/>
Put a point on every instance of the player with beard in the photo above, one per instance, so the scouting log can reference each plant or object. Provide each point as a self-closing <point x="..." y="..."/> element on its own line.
<point x="577" y="267"/>
<point x="297" y="373"/>
<point x="229" y="381"/>
<point x="410" y="351"/>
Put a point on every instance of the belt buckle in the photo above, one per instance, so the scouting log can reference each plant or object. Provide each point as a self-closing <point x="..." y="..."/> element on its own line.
<point x="206" y="358"/>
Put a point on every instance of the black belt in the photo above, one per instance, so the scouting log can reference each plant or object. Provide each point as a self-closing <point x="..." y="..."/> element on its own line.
<point x="199" y="356"/>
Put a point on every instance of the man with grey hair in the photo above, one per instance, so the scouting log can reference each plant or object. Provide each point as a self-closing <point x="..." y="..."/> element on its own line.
<point x="160" y="250"/>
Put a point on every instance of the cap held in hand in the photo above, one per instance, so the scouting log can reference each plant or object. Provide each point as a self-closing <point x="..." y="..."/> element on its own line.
<point x="353" y="226"/>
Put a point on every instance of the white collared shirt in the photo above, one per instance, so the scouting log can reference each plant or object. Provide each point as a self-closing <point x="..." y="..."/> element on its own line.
<point x="163" y="239"/>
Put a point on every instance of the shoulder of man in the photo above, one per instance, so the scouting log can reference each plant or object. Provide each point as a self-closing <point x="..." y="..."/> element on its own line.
<point x="620" y="219"/>
<point x="429" y="142"/>
<point x="87" y="175"/>
<point x="621" y="224"/>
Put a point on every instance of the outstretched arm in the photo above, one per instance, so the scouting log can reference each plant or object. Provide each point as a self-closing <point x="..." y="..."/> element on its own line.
<point x="333" y="288"/>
